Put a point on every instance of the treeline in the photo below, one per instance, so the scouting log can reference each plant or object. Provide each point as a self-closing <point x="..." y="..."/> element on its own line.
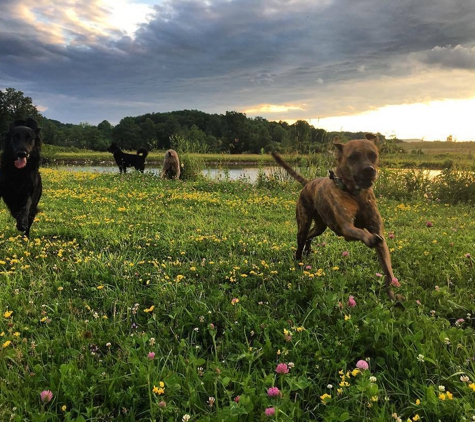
<point x="186" y="130"/>
<point x="193" y="130"/>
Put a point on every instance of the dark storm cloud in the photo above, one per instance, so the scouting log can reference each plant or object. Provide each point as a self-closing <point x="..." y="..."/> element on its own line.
<point x="449" y="57"/>
<point x="222" y="55"/>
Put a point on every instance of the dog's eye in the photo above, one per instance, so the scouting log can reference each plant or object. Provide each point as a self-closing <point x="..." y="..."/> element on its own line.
<point x="372" y="156"/>
<point x="354" y="157"/>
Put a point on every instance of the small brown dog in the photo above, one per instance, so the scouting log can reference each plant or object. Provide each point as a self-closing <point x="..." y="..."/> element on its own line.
<point x="344" y="202"/>
<point x="171" y="165"/>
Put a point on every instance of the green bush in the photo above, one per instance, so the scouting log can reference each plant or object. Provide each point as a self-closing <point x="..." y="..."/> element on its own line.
<point x="191" y="167"/>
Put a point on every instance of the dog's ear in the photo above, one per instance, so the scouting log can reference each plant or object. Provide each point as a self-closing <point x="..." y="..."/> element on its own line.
<point x="372" y="137"/>
<point x="338" y="145"/>
<point x="33" y="124"/>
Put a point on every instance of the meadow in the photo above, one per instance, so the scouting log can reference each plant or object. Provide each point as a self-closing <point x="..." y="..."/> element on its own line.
<point x="140" y="299"/>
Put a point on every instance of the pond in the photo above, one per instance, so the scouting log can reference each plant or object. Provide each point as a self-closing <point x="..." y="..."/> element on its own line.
<point x="248" y="174"/>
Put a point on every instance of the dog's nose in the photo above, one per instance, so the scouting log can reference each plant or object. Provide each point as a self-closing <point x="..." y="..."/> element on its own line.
<point x="369" y="172"/>
<point x="21" y="154"/>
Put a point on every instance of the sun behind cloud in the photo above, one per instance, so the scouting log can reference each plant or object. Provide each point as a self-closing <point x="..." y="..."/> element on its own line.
<point x="81" y="22"/>
<point x="431" y="121"/>
<point x="127" y="15"/>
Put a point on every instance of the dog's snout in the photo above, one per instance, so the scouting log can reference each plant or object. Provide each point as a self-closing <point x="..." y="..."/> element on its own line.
<point x="22" y="154"/>
<point x="369" y="172"/>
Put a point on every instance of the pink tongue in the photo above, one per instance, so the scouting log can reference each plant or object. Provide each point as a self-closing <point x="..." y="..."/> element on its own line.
<point x="20" y="163"/>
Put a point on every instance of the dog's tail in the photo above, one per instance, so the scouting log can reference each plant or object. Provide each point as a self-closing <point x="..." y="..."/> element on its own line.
<point x="302" y="180"/>
<point x="143" y="152"/>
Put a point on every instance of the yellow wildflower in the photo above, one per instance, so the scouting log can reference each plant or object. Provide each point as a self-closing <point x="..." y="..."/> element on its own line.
<point x="7" y="314"/>
<point x="159" y="390"/>
<point x="7" y="343"/>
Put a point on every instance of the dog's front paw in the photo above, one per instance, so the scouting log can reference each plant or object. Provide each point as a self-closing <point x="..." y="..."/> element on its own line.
<point x="375" y="240"/>
<point x="22" y="225"/>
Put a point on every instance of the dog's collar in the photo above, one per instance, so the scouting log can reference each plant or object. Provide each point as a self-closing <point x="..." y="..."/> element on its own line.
<point x="339" y="183"/>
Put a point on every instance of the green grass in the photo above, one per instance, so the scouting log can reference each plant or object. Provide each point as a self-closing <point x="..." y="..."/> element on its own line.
<point x="202" y="275"/>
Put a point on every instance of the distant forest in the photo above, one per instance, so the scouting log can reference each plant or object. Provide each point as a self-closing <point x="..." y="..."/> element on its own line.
<point x="186" y="130"/>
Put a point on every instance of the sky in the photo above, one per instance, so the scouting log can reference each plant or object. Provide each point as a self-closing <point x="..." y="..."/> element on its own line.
<point x="404" y="68"/>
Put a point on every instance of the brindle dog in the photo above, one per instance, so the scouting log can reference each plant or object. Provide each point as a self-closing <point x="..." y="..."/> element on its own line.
<point x="344" y="202"/>
<point x="171" y="165"/>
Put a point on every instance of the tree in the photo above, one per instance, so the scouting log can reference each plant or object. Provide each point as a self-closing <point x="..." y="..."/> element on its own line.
<point x="301" y="135"/>
<point x="127" y="134"/>
<point x="15" y="106"/>
<point x="149" y="133"/>
<point x="106" y="129"/>
<point x="237" y="131"/>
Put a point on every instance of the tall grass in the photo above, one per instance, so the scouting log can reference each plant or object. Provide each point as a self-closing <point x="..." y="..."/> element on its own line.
<point x="143" y="299"/>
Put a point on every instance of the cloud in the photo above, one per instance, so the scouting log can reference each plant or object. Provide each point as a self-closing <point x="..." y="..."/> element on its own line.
<point x="271" y="108"/>
<point x="449" y="57"/>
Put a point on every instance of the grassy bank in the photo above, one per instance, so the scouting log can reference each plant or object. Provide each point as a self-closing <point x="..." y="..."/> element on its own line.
<point x="142" y="299"/>
<point x="437" y="157"/>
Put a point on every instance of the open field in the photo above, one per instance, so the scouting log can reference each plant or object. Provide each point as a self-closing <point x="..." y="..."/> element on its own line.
<point x="437" y="147"/>
<point x="139" y="299"/>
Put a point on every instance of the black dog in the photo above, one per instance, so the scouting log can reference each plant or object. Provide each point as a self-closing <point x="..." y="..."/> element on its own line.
<point x="20" y="180"/>
<point x="125" y="160"/>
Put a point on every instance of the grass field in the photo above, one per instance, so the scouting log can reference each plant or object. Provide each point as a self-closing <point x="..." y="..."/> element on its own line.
<point x="139" y="299"/>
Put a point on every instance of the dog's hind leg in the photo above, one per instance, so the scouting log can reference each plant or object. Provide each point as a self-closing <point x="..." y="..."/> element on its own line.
<point x="304" y="221"/>
<point x="302" y="233"/>
<point x="317" y="229"/>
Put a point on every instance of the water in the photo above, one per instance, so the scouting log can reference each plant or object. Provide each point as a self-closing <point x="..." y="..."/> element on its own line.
<point x="248" y="174"/>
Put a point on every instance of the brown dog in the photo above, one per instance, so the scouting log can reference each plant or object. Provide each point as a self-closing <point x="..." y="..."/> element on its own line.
<point x="171" y="165"/>
<point x="344" y="202"/>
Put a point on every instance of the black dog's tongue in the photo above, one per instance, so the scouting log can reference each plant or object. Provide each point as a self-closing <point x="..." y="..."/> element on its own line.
<point x="20" y="162"/>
